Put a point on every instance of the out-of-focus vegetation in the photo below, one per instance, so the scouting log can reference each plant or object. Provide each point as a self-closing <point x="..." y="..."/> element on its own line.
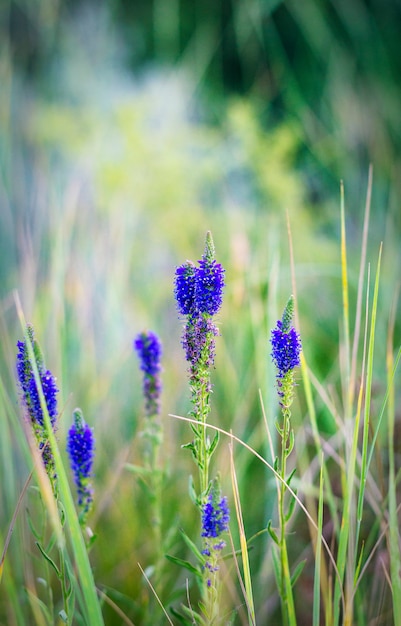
<point x="127" y="130"/>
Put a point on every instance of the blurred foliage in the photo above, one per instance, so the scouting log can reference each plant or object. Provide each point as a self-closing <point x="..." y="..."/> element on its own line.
<point x="331" y="66"/>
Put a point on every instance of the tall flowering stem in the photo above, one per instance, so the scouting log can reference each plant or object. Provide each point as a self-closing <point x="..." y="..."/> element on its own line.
<point x="30" y="399"/>
<point x="286" y="350"/>
<point x="81" y="448"/>
<point x="199" y="296"/>
<point x="149" y="351"/>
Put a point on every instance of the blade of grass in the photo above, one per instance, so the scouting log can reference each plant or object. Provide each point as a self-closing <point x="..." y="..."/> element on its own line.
<point x="362" y="266"/>
<point x="243" y="543"/>
<point x="323" y="578"/>
<point x="393" y="537"/>
<point x="346" y="545"/>
<point x="368" y="393"/>
<point x="318" y="552"/>
<point x="344" y="282"/>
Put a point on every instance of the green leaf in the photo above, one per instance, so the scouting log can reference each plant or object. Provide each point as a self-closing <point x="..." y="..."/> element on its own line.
<point x="48" y="559"/>
<point x="214" y="443"/>
<point x="291" y="443"/>
<point x="272" y="532"/>
<point x="277" y="568"/>
<point x="193" y="615"/>
<point x="32" y="528"/>
<point x="185" y="564"/>
<point x="297" y="572"/>
<point x="192" y="546"/>
<point x="290" y="477"/>
<point x="184" y="620"/>
<point x="291" y="507"/>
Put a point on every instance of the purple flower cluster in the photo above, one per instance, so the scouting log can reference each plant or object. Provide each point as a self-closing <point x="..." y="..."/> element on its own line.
<point x="149" y="349"/>
<point x="29" y="387"/>
<point x="199" y="289"/>
<point x="80" y="448"/>
<point x="215" y="516"/>
<point x="31" y="398"/>
<point x="215" y="520"/>
<point x="184" y="290"/>
<point x="286" y="343"/>
<point x="286" y="349"/>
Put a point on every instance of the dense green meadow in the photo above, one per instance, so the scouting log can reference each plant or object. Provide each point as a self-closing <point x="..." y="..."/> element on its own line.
<point x="111" y="175"/>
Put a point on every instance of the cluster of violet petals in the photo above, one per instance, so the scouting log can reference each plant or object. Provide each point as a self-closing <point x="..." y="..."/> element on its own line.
<point x="29" y="388"/>
<point x="149" y="350"/>
<point x="286" y="349"/>
<point x="80" y="449"/>
<point x="199" y="289"/>
<point x="215" y="521"/>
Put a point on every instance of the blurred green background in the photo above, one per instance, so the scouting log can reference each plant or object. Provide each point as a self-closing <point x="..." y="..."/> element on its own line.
<point x="127" y="130"/>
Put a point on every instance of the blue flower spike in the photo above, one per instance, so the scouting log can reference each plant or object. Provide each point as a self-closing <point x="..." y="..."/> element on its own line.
<point x="81" y="448"/>
<point x="184" y="289"/>
<point x="149" y="350"/>
<point x="30" y="398"/>
<point x="215" y="522"/>
<point x="198" y="291"/>
<point x="286" y="351"/>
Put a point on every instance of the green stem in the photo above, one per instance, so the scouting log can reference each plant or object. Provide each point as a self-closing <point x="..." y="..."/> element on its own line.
<point x="287" y="598"/>
<point x="204" y="456"/>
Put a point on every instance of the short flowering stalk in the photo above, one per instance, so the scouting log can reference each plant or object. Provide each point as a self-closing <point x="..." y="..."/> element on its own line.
<point x="149" y="351"/>
<point x="31" y="398"/>
<point x="286" y="349"/>
<point x="215" y="522"/>
<point x="199" y="296"/>
<point x="81" y="449"/>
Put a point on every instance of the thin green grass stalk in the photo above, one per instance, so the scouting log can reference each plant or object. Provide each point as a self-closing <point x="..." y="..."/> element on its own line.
<point x="346" y="523"/>
<point x="365" y="390"/>
<point x="329" y="496"/>
<point x="383" y="408"/>
<point x="286" y="593"/>
<point x="393" y="535"/>
<point x="348" y="481"/>
<point x="362" y="267"/>
<point x="90" y="606"/>
<point x="318" y="551"/>
<point x="243" y="544"/>
<point x="368" y="395"/>
<point x="156" y="596"/>
<point x="323" y="577"/>
<point x="344" y="282"/>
